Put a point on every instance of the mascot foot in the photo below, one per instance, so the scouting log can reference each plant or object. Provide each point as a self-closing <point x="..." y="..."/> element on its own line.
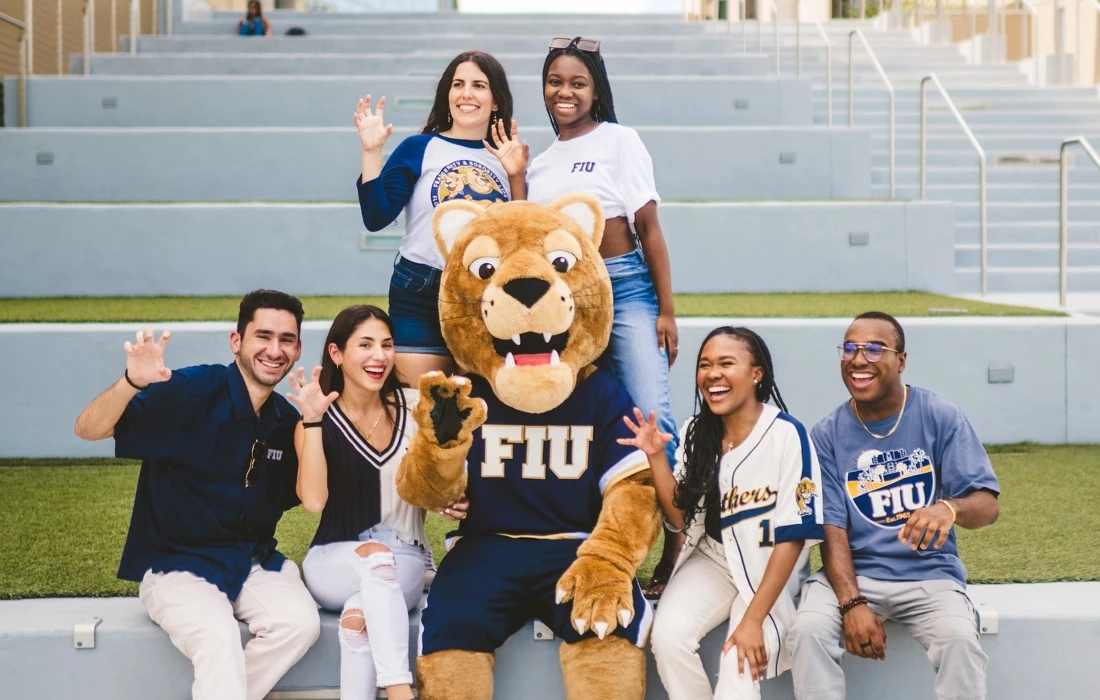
<point x="455" y="675"/>
<point x="607" y="669"/>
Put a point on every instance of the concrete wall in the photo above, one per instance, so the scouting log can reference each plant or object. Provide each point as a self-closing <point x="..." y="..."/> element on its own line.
<point x="423" y="63"/>
<point x="296" y="101"/>
<point x="1045" y="643"/>
<point x="151" y="164"/>
<point x="1051" y="399"/>
<point x="98" y="250"/>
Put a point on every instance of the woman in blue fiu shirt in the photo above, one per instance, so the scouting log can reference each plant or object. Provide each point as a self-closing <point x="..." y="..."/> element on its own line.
<point x="446" y="160"/>
<point x="254" y="23"/>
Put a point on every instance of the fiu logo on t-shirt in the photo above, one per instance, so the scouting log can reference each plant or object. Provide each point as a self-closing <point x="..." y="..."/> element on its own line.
<point x="584" y="167"/>
<point x="499" y="440"/>
<point x="886" y="487"/>
<point x="467" y="179"/>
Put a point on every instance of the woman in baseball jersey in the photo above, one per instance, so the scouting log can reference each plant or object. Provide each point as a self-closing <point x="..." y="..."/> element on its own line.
<point x="594" y="153"/>
<point x="447" y="160"/>
<point x="746" y="489"/>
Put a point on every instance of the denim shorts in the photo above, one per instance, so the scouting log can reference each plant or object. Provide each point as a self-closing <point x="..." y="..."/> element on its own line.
<point x="414" y="308"/>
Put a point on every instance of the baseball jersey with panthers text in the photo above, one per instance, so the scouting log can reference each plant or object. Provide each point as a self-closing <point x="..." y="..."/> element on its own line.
<point x="770" y="492"/>
<point x="873" y="486"/>
<point x="544" y="475"/>
<point x="610" y="162"/>
<point x="423" y="171"/>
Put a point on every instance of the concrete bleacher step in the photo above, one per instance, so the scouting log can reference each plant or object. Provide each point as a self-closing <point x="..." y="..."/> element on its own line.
<point x="1012" y="212"/>
<point x="1029" y="232"/>
<point x="284" y="164"/>
<point x="135" y="660"/>
<point x="398" y="64"/>
<point x="995" y="194"/>
<point x="1019" y="279"/>
<point x="54" y="249"/>
<point x="1050" y="399"/>
<point x="299" y="101"/>
<point x="1000" y="175"/>
<point x="1082" y="256"/>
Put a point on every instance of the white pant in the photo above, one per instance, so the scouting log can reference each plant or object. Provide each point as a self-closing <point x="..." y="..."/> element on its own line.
<point x="937" y="613"/>
<point x="201" y="621"/>
<point x="383" y="587"/>
<point x="698" y="598"/>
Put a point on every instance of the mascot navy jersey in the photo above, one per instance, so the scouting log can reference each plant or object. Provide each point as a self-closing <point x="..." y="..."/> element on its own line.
<point x="545" y="474"/>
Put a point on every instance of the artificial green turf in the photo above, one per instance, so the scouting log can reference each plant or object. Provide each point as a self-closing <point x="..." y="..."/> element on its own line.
<point x="64" y="523"/>
<point x="162" y="309"/>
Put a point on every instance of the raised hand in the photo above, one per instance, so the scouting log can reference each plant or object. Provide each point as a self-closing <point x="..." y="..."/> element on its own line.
<point x="145" y="359"/>
<point x="372" y="128"/>
<point x="310" y="399"/>
<point x="647" y="437"/>
<point x="512" y="153"/>
<point x="446" y="414"/>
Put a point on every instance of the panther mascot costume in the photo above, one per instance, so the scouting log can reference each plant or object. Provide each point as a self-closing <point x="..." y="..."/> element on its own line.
<point x="560" y="514"/>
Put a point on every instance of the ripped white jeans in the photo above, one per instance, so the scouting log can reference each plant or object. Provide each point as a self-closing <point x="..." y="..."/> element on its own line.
<point x="384" y="586"/>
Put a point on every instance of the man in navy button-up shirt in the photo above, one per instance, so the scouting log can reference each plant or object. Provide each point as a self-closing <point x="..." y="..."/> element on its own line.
<point x="218" y="470"/>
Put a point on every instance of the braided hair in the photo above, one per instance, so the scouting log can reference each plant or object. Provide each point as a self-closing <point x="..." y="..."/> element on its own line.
<point x="603" y="107"/>
<point x="703" y="442"/>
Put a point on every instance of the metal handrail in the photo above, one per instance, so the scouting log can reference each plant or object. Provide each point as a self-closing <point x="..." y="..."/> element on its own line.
<point x="828" y="71"/>
<point x="168" y="17"/>
<point x="135" y="25"/>
<point x="889" y="87"/>
<point x="977" y="147"/>
<point x="22" y="27"/>
<point x="1063" y="209"/>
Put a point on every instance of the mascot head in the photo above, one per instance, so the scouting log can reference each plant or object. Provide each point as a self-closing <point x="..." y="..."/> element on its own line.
<point x="525" y="300"/>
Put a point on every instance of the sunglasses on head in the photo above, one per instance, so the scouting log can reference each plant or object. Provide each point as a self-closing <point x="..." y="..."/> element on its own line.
<point x="580" y="43"/>
<point x="259" y="452"/>
<point x="871" y="351"/>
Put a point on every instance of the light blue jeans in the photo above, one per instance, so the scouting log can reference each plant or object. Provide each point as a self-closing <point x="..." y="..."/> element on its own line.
<point x="633" y="355"/>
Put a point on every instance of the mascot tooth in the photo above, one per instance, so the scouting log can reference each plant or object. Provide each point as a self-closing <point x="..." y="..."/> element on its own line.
<point x="561" y="515"/>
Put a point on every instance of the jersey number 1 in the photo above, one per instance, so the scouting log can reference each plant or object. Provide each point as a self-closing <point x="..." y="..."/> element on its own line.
<point x="766" y="533"/>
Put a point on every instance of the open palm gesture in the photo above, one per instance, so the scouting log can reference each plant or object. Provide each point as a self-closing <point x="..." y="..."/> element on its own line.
<point x="372" y="128"/>
<point x="145" y="358"/>
<point x="310" y="399"/>
<point x="512" y="153"/>
<point x="647" y="437"/>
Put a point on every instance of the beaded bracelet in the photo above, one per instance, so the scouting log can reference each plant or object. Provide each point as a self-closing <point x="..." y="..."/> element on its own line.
<point x="858" y="600"/>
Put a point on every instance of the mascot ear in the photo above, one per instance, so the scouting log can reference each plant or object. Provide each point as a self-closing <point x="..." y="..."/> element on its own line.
<point x="450" y="219"/>
<point x="585" y="210"/>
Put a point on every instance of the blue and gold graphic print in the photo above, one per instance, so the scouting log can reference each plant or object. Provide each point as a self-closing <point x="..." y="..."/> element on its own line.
<point x="886" y="487"/>
<point x="467" y="179"/>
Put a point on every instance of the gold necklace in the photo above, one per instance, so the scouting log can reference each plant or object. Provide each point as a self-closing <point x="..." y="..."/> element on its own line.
<point x="355" y="422"/>
<point x="901" y="414"/>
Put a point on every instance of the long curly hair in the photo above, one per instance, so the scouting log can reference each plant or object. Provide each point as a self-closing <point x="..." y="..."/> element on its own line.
<point x="703" y="442"/>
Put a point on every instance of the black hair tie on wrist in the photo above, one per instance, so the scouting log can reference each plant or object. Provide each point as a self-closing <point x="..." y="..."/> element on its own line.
<point x="129" y="381"/>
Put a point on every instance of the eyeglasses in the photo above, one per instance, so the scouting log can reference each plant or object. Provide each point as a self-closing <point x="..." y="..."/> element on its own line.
<point x="580" y="43"/>
<point x="871" y="351"/>
<point x="259" y="452"/>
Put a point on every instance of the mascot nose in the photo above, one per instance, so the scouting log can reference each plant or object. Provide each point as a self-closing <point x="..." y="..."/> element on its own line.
<point x="527" y="290"/>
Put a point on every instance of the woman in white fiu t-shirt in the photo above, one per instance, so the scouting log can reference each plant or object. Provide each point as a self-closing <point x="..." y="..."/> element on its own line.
<point x="593" y="153"/>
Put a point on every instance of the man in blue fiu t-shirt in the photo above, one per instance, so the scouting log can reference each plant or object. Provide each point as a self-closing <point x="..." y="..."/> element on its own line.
<point x="218" y="470"/>
<point x="900" y="468"/>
